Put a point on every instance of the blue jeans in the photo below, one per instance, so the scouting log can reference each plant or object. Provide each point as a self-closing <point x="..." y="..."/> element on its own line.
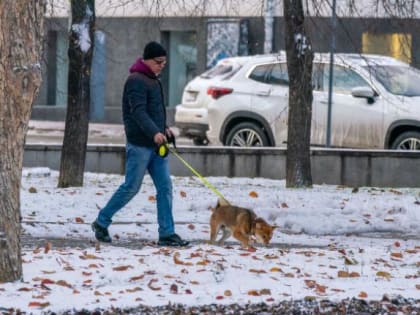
<point x="138" y="160"/>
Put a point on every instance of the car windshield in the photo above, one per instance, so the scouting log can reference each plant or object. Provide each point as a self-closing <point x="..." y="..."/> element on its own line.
<point x="398" y="80"/>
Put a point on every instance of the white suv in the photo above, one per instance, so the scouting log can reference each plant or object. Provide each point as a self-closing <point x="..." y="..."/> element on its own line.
<point x="375" y="103"/>
<point x="191" y="114"/>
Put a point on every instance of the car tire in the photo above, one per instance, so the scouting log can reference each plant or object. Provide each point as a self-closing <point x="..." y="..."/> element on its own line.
<point x="409" y="140"/>
<point x="246" y="134"/>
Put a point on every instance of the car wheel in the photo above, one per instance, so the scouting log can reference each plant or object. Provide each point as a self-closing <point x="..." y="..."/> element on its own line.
<point x="246" y="134"/>
<point x="409" y="140"/>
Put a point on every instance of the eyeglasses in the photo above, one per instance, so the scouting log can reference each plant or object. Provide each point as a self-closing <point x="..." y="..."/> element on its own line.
<point x="159" y="62"/>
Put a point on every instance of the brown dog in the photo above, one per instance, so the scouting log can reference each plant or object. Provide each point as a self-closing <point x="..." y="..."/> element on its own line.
<point x="240" y="222"/>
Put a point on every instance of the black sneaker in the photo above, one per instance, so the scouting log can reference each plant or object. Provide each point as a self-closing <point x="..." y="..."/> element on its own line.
<point x="101" y="233"/>
<point x="172" y="240"/>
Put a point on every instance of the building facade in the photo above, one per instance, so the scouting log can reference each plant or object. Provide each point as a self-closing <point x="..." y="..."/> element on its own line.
<point x="195" y="40"/>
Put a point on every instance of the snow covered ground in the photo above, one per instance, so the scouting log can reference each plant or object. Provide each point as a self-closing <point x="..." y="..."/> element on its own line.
<point x="332" y="243"/>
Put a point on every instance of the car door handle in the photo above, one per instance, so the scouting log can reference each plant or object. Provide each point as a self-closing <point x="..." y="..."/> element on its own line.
<point x="263" y="93"/>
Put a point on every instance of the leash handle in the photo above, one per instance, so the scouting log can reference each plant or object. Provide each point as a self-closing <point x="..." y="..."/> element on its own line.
<point x="203" y="179"/>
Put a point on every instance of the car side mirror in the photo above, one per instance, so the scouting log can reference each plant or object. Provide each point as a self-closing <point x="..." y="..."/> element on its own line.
<point x="364" y="92"/>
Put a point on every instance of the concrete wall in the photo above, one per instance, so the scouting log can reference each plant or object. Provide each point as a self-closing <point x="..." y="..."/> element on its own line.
<point x="329" y="166"/>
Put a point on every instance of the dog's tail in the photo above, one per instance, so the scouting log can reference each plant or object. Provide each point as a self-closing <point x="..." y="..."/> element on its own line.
<point x="222" y="202"/>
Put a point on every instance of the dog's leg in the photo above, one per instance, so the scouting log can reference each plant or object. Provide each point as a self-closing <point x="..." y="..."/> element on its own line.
<point x="214" y="230"/>
<point x="226" y="234"/>
<point x="244" y="239"/>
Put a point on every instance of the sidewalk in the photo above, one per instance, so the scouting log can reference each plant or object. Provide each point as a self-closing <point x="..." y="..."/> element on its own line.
<point x="52" y="132"/>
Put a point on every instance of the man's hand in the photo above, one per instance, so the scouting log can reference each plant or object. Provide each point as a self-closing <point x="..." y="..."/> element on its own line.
<point x="169" y="133"/>
<point x="159" y="138"/>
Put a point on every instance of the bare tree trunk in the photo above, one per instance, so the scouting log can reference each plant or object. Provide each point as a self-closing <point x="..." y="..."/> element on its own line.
<point x="299" y="64"/>
<point x="81" y="41"/>
<point x="21" y="25"/>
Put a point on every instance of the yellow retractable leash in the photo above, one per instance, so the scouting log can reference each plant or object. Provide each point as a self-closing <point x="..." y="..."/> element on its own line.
<point x="163" y="151"/>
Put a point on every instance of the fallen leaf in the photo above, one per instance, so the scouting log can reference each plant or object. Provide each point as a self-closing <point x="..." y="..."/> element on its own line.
<point x="228" y="293"/>
<point x="173" y="289"/>
<point x="48" y="272"/>
<point x="253" y="293"/>
<point x="354" y="274"/>
<point x="79" y="220"/>
<point x="151" y="286"/>
<point x="258" y="271"/>
<point x="63" y="283"/>
<point x="362" y="295"/>
<point x="265" y="292"/>
<point x="47" y="247"/>
<point x="32" y="190"/>
<point x="135" y="278"/>
<point x="179" y="261"/>
<point x="136" y="289"/>
<point x="310" y="283"/>
<point x="384" y="274"/>
<point x="183" y="194"/>
<point x="152" y="198"/>
<point x="191" y="226"/>
<point x="89" y="256"/>
<point x="203" y="262"/>
<point x="253" y="194"/>
<point x="320" y="289"/>
<point x="397" y="255"/>
<point x="342" y="274"/>
<point x="47" y="281"/>
<point x="350" y="261"/>
<point x="122" y="268"/>
<point x="38" y="304"/>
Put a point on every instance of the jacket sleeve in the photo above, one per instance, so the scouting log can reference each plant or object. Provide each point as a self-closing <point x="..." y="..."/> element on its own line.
<point x="137" y="100"/>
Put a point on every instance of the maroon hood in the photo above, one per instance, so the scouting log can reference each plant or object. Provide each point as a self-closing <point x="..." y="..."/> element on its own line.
<point x="140" y="66"/>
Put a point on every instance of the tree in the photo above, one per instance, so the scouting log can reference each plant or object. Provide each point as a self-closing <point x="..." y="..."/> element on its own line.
<point x="299" y="63"/>
<point x="81" y="43"/>
<point x="21" y="38"/>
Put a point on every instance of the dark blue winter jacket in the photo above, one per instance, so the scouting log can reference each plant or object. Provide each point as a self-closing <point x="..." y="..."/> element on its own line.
<point x="144" y="112"/>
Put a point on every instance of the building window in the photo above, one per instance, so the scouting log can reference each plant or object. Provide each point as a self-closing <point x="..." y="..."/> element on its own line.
<point x="397" y="45"/>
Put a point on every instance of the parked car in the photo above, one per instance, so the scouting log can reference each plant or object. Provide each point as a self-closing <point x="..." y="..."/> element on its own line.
<point x="375" y="103"/>
<point x="191" y="114"/>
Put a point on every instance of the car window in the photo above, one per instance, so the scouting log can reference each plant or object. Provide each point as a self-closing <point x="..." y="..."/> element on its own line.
<point x="397" y="80"/>
<point x="344" y="79"/>
<point x="221" y="70"/>
<point x="279" y="75"/>
<point x="259" y="73"/>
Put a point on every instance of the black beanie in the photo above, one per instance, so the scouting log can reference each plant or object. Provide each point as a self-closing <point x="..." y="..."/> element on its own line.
<point x="153" y="50"/>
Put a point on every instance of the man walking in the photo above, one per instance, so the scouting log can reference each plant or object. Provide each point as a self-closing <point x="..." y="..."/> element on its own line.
<point x="145" y="127"/>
